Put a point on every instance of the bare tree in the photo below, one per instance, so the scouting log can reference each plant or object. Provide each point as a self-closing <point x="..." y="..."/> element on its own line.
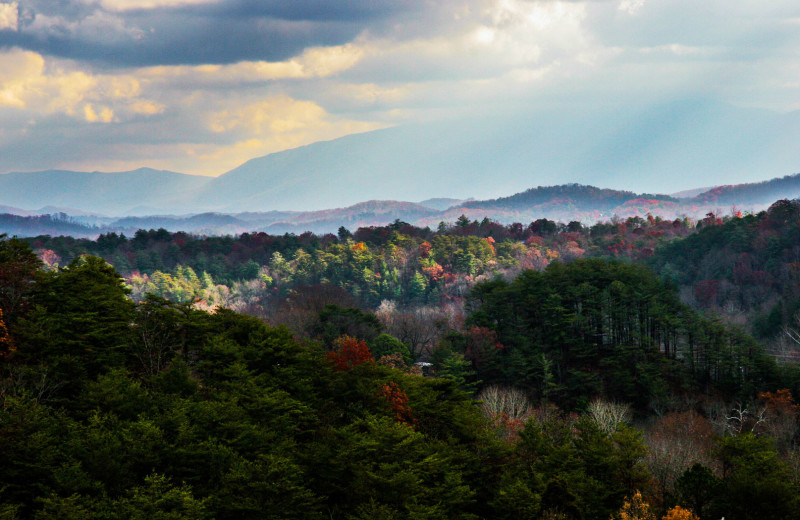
<point x="608" y="415"/>
<point x="420" y="328"/>
<point x="741" y="419"/>
<point x="506" y="408"/>
<point x="498" y="401"/>
<point x="675" y="442"/>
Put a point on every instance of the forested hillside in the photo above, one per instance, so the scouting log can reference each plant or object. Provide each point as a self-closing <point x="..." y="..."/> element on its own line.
<point x="547" y="370"/>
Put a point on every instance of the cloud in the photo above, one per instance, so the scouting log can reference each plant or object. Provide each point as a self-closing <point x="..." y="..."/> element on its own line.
<point x="28" y="83"/>
<point x="630" y="6"/>
<point x="137" y="33"/>
<point x="198" y="85"/>
<point x="315" y="62"/>
<point x="127" y="5"/>
<point x="9" y="16"/>
<point x="105" y="114"/>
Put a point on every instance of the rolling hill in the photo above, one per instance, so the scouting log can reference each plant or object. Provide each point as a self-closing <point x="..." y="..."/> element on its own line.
<point x="108" y="193"/>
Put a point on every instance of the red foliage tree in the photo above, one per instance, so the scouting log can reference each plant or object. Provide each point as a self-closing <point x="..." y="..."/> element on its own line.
<point x="349" y="353"/>
<point x="425" y="249"/>
<point x="398" y="402"/>
<point x="706" y="291"/>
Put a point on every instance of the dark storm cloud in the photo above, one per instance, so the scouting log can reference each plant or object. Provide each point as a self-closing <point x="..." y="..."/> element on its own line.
<point x="339" y="10"/>
<point x="224" y="32"/>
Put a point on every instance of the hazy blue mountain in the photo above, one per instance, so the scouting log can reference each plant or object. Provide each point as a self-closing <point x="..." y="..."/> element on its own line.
<point x="660" y="148"/>
<point x="564" y="203"/>
<point x="688" y="194"/>
<point x="441" y="203"/>
<point x="73" y="212"/>
<point x="11" y="210"/>
<point x="363" y="214"/>
<point x="35" y="225"/>
<point x="108" y="193"/>
<point x="657" y="149"/>
<point x="577" y="195"/>
<point x="755" y="193"/>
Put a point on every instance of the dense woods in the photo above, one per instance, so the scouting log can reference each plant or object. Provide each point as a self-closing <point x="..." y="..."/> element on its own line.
<point x="546" y="370"/>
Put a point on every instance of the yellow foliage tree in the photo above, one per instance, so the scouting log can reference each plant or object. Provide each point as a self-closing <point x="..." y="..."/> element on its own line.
<point x="679" y="513"/>
<point x="634" y="508"/>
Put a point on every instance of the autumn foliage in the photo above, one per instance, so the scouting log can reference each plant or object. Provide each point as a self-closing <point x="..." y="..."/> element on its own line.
<point x="679" y="513"/>
<point x="779" y="402"/>
<point x="7" y="348"/>
<point x="634" y="508"/>
<point x="349" y="353"/>
<point x="398" y="401"/>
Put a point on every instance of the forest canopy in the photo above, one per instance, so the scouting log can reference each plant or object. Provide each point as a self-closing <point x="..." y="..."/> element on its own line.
<point x="476" y="371"/>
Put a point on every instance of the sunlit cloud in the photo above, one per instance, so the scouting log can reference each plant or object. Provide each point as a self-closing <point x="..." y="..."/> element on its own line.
<point x="9" y="16"/>
<point x="99" y="115"/>
<point x="272" y="125"/>
<point x="317" y="62"/>
<point x="200" y="86"/>
<point x="29" y="83"/>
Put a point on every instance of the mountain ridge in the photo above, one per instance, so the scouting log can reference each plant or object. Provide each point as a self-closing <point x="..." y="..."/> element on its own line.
<point x="565" y="203"/>
<point x="634" y="147"/>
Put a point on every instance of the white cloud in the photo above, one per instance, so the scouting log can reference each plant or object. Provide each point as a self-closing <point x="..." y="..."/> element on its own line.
<point x="9" y="16"/>
<point x="630" y="6"/>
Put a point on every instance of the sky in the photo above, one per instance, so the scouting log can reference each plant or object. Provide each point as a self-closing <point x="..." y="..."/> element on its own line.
<point x="200" y="86"/>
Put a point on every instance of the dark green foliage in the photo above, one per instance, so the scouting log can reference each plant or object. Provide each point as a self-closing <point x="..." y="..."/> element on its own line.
<point x="80" y="323"/>
<point x="698" y="488"/>
<point x="335" y="321"/>
<point x="573" y="468"/>
<point x="18" y="271"/>
<point x="757" y="483"/>
<point x="173" y="413"/>
<point x="112" y="409"/>
<point x="386" y="345"/>
<point x="605" y="328"/>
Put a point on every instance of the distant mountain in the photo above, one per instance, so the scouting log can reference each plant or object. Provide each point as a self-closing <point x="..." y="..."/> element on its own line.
<point x="442" y="203"/>
<point x="578" y="196"/>
<point x="73" y="212"/>
<point x="35" y="225"/>
<point x="364" y="214"/>
<point x="659" y="148"/>
<point x="11" y="210"/>
<point x="566" y="202"/>
<point x="563" y="203"/>
<point x="204" y="223"/>
<point x="652" y="148"/>
<point x="688" y="194"/>
<point x="758" y="193"/>
<point x="108" y="193"/>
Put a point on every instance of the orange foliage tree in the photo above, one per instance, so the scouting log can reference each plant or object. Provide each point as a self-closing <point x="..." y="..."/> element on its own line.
<point x="398" y="401"/>
<point x="7" y="347"/>
<point x="634" y="508"/>
<point x="349" y="353"/>
<point x="679" y="513"/>
<point x="781" y="415"/>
